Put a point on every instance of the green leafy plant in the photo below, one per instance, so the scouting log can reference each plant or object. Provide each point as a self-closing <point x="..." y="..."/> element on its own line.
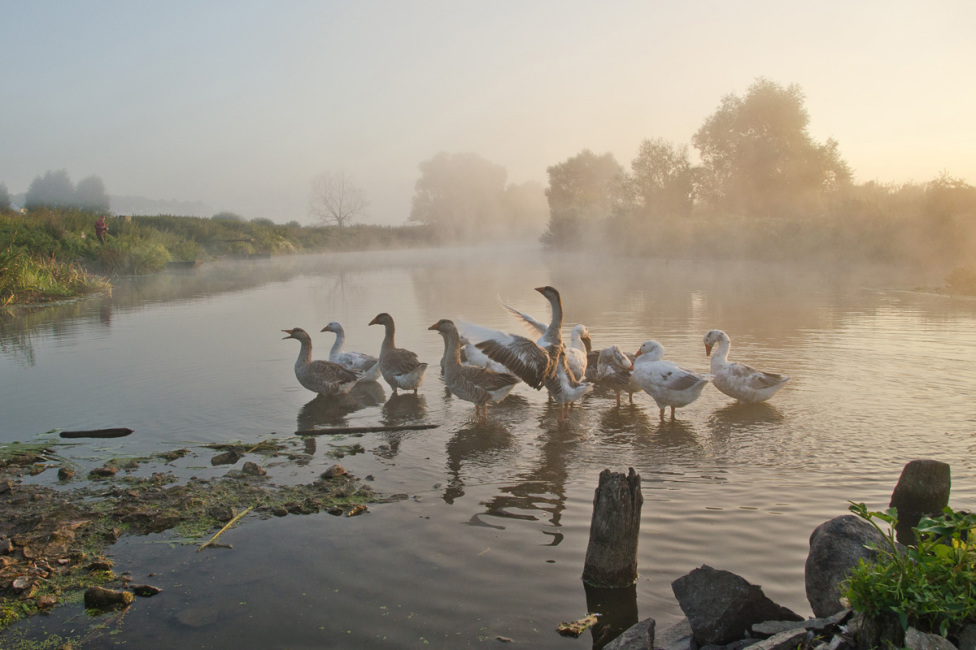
<point x="930" y="586"/>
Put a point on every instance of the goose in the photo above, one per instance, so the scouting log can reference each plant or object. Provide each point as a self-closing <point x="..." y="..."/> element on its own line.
<point x="354" y="361"/>
<point x="472" y="356"/>
<point x="613" y="370"/>
<point x="577" y="350"/>
<point x="470" y="383"/>
<point x="400" y="368"/>
<point x="668" y="383"/>
<point x="319" y="376"/>
<point x="735" y="379"/>
<point x="536" y="364"/>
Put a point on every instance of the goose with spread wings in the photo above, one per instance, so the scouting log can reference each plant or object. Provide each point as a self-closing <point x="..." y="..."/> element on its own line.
<point x="538" y="364"/>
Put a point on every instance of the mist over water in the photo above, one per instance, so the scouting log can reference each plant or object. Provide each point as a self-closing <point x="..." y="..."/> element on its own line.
<point x="491" y="537"/>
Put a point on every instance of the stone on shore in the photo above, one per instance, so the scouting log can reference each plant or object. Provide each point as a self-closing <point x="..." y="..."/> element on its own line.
<point x="722" y="606"/>
<point x="101" y="598"/>
<point x="922" y="490"/>
<point x="639" y="636"/>
<point x="836" y="546"/>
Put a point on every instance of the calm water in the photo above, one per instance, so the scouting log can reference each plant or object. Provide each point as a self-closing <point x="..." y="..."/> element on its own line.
<point x="491" y="538"/>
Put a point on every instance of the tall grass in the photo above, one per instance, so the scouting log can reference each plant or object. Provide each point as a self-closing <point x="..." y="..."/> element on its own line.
<point x="27" y="279"/>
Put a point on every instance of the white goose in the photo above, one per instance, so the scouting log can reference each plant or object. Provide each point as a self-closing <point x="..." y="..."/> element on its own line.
<point x="735" y="379"/>
<point x="354" y="361"/>
<point x="319" y="376"/>
<point x="668" y="383"/>
<point x="577" y="350"/>
<point x="400" y="368"/>
<point x="536" y="364"/>
<point x="470" y="383"/>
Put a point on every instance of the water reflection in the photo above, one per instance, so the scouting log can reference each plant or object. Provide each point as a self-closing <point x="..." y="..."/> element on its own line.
<point x="333" y="410"/>
<point x="478" y="444"/>
<point x="617" y="609"/>
<point x="739" y="416"/>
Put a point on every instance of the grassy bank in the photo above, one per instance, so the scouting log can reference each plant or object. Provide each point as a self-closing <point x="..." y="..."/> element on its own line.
<point x="51" y="254"/>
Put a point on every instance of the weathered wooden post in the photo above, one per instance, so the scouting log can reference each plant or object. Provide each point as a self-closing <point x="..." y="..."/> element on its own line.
<point x="611" y="556"/>
<point x="922" y="490"/>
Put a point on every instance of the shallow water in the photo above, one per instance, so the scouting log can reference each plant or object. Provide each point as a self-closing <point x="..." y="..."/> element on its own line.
<point x="491" y="538"/>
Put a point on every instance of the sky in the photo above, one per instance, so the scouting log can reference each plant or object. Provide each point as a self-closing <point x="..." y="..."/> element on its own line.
<point x="240" y="104"/>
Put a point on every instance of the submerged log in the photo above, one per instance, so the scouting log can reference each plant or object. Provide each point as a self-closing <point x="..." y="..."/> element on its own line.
<point x="117" y="432"/>
<point x="341" y="430"/>
<point x="611" y="556"/>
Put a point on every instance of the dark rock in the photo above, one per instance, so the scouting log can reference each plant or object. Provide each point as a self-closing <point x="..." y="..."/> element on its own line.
<point x="6" y="487"/>
<point x="253" y="469"/>
<point x="836" y="546"/>
<point x="145" y="591"/>
<point x="101" y="598"/>
<point x="639" y="636"/>
<point x="226" y="458"/>
<point x="106" y="471"/>
<point x="722" y="606"/>
<point x="923" y="489"/>
<point x="221" y="513"/>
<point x="103" y="564"/>
<point x="915" y="640"/>
<point x="279" y="511"/>
<point x="65" y="474"/>
<point x="334" y="471"/>
<point x="787" y="640"/>
<point x="967" y="640"/>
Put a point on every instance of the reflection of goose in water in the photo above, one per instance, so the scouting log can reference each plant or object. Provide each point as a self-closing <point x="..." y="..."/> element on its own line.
<point x="332" y="410"/>
<point x="474" y="447"/>
<point x="404" y="409"/>
<point x="743" y="420"/>
<point x="541" y="489"/>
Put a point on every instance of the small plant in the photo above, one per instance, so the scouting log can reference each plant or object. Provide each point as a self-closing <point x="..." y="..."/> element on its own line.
<point x="930" y="586"/>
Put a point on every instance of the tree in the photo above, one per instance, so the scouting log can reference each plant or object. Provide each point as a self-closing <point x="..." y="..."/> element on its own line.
<point x="460" y="195"/>
<point x="583" y="191"/>
<point x="90" y="195"/>
<point x="5" y="205"/>
<point x="335" y="198"/>
<point x="661" y="179"/>
<point x="525" y="208"/>
<point x="54" y="189"/>
<point x="758" y="157"/>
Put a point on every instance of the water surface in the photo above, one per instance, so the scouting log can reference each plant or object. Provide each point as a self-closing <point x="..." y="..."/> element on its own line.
<point x="491" y="536"/>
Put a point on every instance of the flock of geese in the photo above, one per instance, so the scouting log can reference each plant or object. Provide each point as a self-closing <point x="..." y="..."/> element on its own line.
<point x="482" y="365"/>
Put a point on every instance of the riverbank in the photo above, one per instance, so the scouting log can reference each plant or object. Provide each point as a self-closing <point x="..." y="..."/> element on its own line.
<point x="56" y="531"/>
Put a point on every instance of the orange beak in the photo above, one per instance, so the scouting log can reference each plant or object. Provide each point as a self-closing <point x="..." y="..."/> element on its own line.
<point x="433" y="327"/>
<point x="708" y="350"/>
<point x="372" y="322"/>
<point x="289" y="332"/>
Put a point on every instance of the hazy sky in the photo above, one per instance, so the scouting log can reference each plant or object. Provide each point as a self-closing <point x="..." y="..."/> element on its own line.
<point x="239" y="104"/>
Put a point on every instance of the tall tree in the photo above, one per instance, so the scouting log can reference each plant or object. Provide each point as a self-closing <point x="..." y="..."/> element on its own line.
<point x="583" y="191"/>
<point x="460" y="195"/>
<point x="90" y="195"/>
<point x="51" y="190"/>
<point x="758" y="157"/>
<point x="5" y="205"/>
<point x="661" y="179"/>
<point x="335" y="198"/>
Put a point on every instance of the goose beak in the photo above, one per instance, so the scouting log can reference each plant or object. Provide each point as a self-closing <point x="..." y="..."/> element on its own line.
<point x="639" y="352"/>
<point x="289" y="332"/>
<point x="708" y="349"/>
<point x="433" y="327"/>
<point x="373" y="322"/>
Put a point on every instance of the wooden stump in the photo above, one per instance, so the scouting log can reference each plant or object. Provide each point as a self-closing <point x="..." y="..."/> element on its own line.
<point x="922" y="490"/>
<point x="611" y="556"/>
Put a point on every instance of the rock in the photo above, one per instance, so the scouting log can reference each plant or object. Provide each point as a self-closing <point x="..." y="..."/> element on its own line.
<point x="639" y="636"/>
<point x="47" y="601"/>
<point x="253" y="469"/>
<point x="923" y="489"/>
<point x="101" y="598"/>
<point x="334" y="471"/>
<point x="916" y="640"/>
<point x="967" y="640"/>
<point x="221" y="513"/>
<point x="145" y="591"/>
<point x="6" y="487"/>
<point x="722" y="606"/>
<point x="787" y="640"/>
<point x="103" y="564"/>
<point x="65" y="474"/>
<point x="835" y="548"/>
<point x="279" y="511"/>
<point x="226" y="458"/>
<point x="106" y="471"/>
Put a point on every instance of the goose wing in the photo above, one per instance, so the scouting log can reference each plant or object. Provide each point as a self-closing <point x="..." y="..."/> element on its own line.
<point x="524" y="358"/>
<point x="534" y="326"/>
<point x="400" y="361"/>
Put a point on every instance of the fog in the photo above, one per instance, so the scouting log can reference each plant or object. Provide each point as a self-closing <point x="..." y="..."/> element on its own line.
<point x="239" y="106"/>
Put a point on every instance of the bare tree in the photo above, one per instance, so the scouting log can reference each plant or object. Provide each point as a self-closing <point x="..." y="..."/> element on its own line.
<point x="335" y="198"/>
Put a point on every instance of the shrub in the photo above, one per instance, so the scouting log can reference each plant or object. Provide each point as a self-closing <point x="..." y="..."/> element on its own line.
<point x="930" y="586"/>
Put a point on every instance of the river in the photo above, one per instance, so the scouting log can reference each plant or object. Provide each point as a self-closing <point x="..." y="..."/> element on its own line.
<point x="489" y="537"/>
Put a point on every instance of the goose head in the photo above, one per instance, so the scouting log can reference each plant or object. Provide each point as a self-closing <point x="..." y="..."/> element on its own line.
<point x="333" y="327"/>
<point x="650" y="350"/>
<point x="382" y="319"/>
<point x="444" y="326"/>
<point x="297" y="333"/>
<point x="713" y="338"/>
